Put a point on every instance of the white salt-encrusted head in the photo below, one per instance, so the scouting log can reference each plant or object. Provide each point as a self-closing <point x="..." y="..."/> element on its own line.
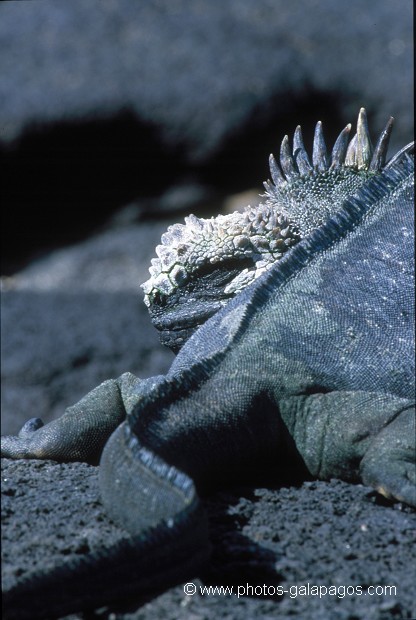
<point x="301" y="197"/>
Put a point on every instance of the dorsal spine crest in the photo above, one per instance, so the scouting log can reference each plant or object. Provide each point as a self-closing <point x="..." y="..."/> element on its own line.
<point x="300" y="197"/>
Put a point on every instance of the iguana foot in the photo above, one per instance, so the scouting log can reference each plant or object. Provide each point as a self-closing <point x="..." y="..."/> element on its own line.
<point x="30" y="426"/>
<point x="79" y="435"/>
<point x="389" y="464"/>
<point x="21" y="447"/>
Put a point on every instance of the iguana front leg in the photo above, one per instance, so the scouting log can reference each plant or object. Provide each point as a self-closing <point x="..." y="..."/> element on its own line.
<point x="156" y="503"/>
<point x="81" y="432"/>
<point x="389" y="462"/>
<point x="357" y="436"/>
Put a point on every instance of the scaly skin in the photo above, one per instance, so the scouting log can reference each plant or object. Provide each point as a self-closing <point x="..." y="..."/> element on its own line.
<point x="311" y="364"/>
<point x="204" y="263"/>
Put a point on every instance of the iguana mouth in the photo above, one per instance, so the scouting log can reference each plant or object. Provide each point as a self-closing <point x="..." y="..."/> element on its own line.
<point x="203" y="263"/>
<point x="204" y="293"/>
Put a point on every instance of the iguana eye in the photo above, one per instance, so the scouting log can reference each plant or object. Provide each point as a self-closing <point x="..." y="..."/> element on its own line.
<point x="178" y="314"/>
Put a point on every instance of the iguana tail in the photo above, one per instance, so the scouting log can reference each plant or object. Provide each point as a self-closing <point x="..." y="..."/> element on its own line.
<point x="137" y="489"/>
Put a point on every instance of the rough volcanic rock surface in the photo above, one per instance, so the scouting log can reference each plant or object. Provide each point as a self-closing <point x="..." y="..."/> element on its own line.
<point x="321" y="534"/>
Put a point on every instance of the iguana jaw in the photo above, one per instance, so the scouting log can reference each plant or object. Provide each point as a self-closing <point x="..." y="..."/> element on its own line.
<point x="202" y="264"/>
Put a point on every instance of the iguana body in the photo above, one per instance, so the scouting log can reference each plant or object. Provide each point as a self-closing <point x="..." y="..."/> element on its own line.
<point x="312" y="363"/>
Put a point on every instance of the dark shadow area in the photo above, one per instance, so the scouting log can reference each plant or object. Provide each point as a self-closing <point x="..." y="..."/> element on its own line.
<point x="235" y="559"/>
<point x="243" y="162"/>
<point x="62" y="182"/>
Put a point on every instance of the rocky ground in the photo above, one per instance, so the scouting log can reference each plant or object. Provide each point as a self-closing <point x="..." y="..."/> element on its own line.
<point x="321" y="534"/>
<point x="118" y="118"/>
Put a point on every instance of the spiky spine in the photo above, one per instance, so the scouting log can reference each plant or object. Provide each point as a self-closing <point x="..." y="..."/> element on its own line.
<point x="301" y="197"/>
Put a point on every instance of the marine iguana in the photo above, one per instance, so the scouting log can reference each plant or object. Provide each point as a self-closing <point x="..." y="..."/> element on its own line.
<point x="201" y="265"/>
<point x="313" y="361"/>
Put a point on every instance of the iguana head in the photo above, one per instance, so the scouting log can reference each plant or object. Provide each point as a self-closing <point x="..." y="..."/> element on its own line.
<point x="203" y="263"/>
